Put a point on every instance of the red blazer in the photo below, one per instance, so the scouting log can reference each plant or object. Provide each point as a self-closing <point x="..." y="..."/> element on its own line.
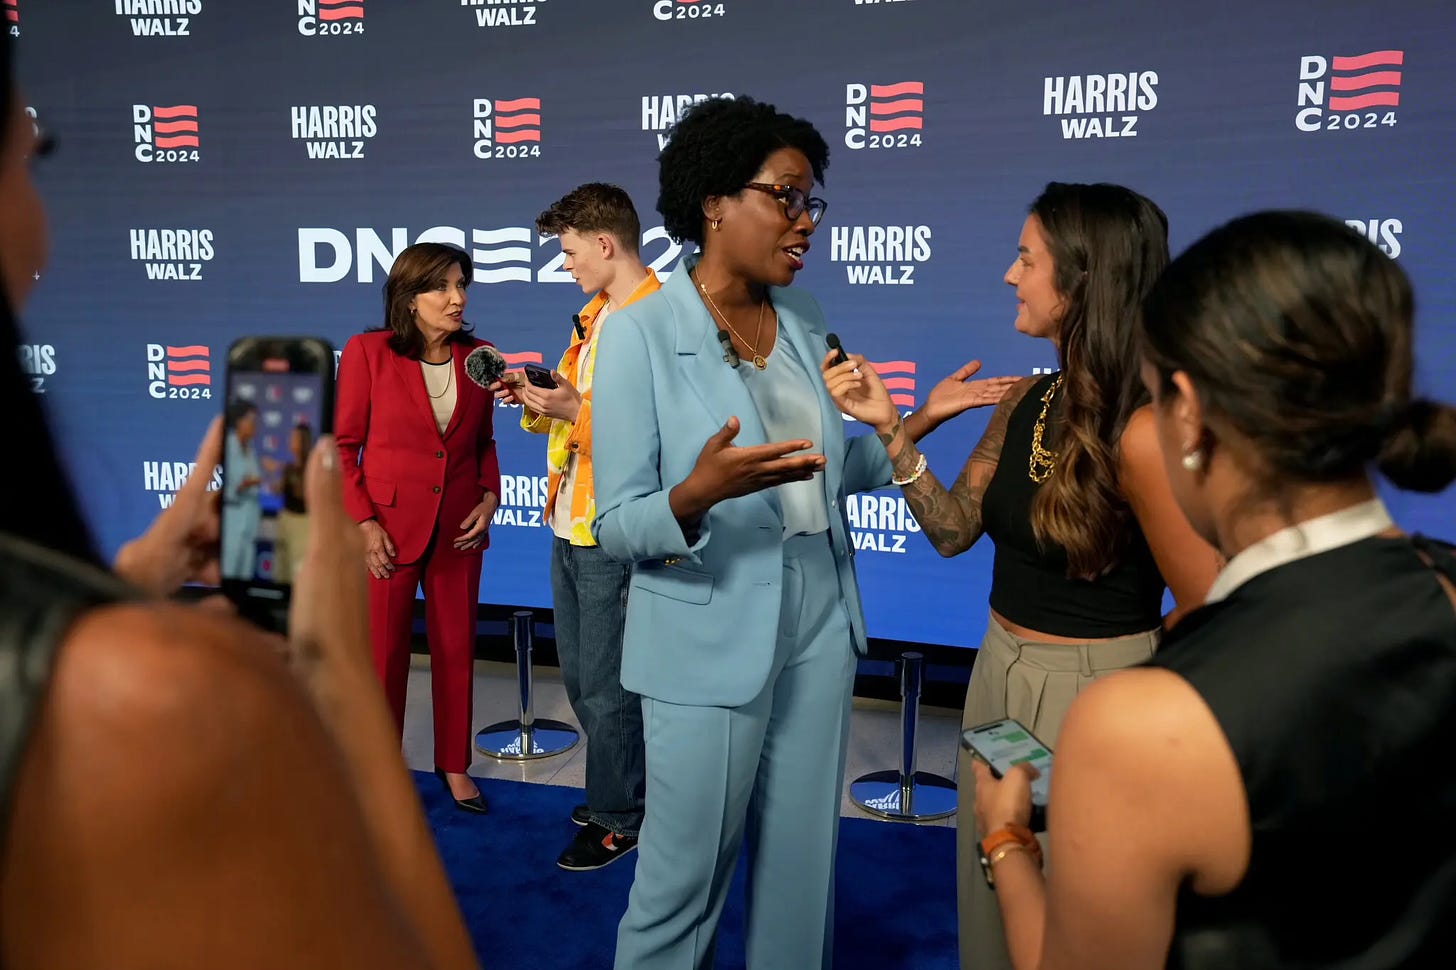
<point x="397" y="466"/>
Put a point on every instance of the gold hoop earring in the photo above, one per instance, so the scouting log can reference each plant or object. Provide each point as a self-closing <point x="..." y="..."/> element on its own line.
<point x="713" y="224"/>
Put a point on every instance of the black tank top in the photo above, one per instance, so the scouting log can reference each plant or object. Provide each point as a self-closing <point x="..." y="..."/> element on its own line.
<point x="1029" y="584"/>
<point x="41" y="594"/>
<point x="1334" y="680"/>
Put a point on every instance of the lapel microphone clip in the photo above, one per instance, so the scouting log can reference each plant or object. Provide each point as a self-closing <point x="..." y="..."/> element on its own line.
<point x="730" y="356"/>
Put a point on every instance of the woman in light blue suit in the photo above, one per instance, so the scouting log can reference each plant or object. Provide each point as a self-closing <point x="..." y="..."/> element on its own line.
<point x="721" y="473"/>
<point x="240" y="492"/>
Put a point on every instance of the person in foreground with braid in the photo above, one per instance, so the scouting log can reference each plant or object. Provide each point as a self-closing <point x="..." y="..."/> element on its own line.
<point x="1275" y="788"/>
<point x="178" y="789"/>
<point x="1067" y="481"/>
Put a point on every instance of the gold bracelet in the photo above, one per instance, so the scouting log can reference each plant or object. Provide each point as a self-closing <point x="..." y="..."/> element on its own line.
<point x="1000" y="853"/>
<point x="920" y="464"/>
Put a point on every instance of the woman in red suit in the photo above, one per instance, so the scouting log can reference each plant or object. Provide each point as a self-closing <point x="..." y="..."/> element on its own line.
<point x="422" y="480"/>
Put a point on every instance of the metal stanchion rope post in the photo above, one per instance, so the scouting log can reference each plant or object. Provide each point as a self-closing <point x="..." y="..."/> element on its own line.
<point x="524" y="738"/>
<point x="910" y="678"/>
<point x="904" y="794"/>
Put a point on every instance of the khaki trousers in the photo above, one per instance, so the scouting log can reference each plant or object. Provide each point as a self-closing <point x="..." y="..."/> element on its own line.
<point x="1034" y="683"/>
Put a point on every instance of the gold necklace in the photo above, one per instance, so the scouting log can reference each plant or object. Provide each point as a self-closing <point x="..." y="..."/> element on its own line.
<point x="759" y="360"/>
<point x="449" y="379"/>
<point x="1043" y="462"/>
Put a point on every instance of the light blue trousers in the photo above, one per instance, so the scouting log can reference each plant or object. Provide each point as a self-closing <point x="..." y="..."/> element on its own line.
<point x="771" y="770"/>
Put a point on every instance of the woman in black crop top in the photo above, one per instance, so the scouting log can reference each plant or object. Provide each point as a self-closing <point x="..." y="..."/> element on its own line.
<point x="1275" y="789"/>
<point x="246" y="813"/>
<point x="1067" y="481"/>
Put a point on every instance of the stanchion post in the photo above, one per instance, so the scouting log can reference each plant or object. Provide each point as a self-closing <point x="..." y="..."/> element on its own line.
<point x="525" y="738"/>
<point x="904" y="794"/>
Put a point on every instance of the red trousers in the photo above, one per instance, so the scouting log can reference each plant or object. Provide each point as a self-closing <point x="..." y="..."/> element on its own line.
<point x="451" y="581"/>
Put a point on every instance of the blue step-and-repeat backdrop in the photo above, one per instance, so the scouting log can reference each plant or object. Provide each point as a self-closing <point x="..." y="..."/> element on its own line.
<point x="231" y="167"/>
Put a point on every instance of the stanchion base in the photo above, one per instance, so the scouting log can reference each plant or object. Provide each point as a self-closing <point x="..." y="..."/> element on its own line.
<point x="928" y="796"/>
<point x="507" y="742"/>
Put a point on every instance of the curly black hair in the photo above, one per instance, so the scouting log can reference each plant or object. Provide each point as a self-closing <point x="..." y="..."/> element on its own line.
<point x="717" y="146"/>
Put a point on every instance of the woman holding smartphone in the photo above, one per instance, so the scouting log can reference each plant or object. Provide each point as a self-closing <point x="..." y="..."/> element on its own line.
<point x="253" y="810"/>
<point x="1241" y="801"/>
<point x="422" y="480"/>
<point x="1067" y="482"/>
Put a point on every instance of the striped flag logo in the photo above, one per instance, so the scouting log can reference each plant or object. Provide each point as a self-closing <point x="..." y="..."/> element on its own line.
<point x="897" y="107"/>
<point x="176" y="126"/>
<point x="494" y="251"/>
<point x="189" y="366"/>
<point x="340" y="10"/>
<point x="894" y="375"/>
<point x="517" y="120"/>
<point x="1365" y="81"/>
<point x="12" y="11"/>
<point x="525" y="357"/>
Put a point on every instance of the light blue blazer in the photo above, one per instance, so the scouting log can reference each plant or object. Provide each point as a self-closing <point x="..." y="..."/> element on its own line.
<point x="703" y="619"/>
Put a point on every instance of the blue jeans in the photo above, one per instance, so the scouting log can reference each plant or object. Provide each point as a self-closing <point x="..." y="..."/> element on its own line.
<point x="589" y="592"/>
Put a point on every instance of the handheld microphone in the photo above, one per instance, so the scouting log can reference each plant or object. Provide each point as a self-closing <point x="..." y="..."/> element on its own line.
<point x="484" y="366"/>
<point x="730" y="356"/>
<point x="832" y="340"/>
<point x="576" y="322"/>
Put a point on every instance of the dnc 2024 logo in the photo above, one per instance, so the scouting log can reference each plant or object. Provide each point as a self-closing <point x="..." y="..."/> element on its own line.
<point x="1345" y="93"/>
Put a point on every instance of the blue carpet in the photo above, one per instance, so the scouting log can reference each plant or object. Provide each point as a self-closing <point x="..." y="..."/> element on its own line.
<point x="894" y="902"/>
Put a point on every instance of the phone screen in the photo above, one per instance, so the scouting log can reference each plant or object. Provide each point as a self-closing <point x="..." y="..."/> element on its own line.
<point x="279" y="400"/>
<point x="1006" y="743"/>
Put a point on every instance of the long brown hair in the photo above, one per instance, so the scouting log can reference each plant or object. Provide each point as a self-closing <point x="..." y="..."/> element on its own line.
<point x="416" y="269"/>
<point x="1108" y="245"/>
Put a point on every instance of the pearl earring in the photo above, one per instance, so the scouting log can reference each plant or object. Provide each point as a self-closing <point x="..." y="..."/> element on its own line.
<point x="1193" y="460"/>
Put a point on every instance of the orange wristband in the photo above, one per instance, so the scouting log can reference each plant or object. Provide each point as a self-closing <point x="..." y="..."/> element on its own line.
<point x="995" y="846"/>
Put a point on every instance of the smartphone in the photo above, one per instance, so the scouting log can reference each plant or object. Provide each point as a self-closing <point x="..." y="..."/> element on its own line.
<point x="539" y="376"/>
<point x="1006" y="743"/>
<point x="280" y="398"/>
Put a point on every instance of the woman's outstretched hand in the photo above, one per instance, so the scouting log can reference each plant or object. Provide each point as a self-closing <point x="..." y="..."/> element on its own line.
<point x="958" y="393"/>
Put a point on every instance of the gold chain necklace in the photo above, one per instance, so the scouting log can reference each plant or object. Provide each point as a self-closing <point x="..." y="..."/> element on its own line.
<point x="1043" y="462"/>
<point x="449" y="379"/>
<point x="759" y="360"/>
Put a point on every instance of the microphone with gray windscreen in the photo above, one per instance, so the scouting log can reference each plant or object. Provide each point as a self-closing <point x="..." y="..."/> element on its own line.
<point x="484" y="366"/>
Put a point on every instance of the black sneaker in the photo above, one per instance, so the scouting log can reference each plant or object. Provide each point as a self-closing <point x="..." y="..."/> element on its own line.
<point x="580" y="815"/>
<point x="594" y="847"/>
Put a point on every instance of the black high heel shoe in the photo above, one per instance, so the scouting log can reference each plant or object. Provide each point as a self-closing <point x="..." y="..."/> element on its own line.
<point x="475" y="805"/>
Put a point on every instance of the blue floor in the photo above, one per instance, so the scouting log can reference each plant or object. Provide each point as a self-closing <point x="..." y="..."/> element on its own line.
<point x="895" y="899"/>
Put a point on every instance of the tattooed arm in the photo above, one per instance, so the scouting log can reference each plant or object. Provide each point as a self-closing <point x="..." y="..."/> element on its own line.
<point x="951" y="519"/>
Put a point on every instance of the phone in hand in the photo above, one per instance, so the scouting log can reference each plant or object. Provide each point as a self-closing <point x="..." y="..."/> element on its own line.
<point x="1006" y="743"/>
<point x="539" y="376"/>
<point x="279" y="398"/>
